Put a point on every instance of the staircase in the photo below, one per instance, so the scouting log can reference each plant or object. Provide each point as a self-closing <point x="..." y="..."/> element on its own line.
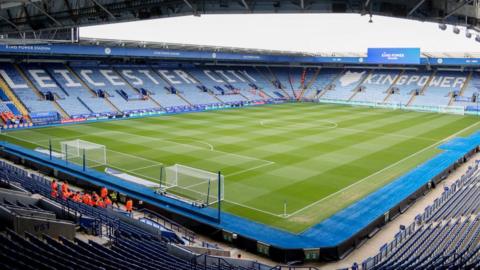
<point x="391" y="86"/>
<point x="59" y="108"/>
<point x="424" y="88"/>
<point x="464" y="86"/>
<point x="467" y="82"/>
<point x="11" y="95"/>
<point x="156" y="103"/>
<point x="268" y="79"/>
<point x="126" y="81"/>
<point x="281" y="87"/>
<point x="309" y="84"/>
<point x="111" y="104"/>
<point x="84" y="104"/>
<point x="329" y="84"/>
<point x="214" y="96"/>
<point x="358" y="87"/>
<point x="427" y="84"/>
<point x="184" y="99"/>
<point x="81" y="81"/>
<point x="29" y="83"/>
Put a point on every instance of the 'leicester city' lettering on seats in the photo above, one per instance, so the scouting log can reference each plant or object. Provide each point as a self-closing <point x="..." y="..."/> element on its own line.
<point x="186" y="86"/>
<point x="32" y="100"/>
<point x="110" y="84"/>
<point x="149" y="82"/>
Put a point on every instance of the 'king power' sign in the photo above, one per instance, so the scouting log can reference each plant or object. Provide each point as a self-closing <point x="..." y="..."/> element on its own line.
<point x="393" y="56"/>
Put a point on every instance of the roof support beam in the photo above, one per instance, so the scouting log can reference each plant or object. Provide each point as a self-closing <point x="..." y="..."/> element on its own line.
<point x="465" y="2"/>
<point x="245" y="4"/>
<point x="104" y="9"/>
<point x="188" y="4"/>
<point x="10" y="22"/>
<point x="415" y="8"/>
<point x="302" y="4"/>
<point x="44" y="13"/>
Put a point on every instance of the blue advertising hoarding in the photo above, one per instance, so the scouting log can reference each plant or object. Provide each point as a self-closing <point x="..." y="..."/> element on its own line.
<point x="404" y="56"/>
<point x="400" y="56"/>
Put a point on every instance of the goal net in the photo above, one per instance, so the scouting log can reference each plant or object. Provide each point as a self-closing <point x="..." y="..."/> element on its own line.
<point x="75" y="150"/>
<point x="195" y="184"/>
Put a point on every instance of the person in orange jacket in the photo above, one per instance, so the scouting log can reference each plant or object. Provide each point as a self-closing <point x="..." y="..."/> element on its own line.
<point x="54" y="188"/>
<point x="77" y="197"/>
<point x="129" y="205"/>
<point x="87" y="199"/>
<point x="107" y="202"/>
<point x="99" y="203"/>
<point x="65" y="190"/>
<point x="103" y="192"/>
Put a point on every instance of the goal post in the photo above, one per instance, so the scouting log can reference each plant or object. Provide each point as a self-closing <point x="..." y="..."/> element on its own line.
<point x="76" y="150"/>
<point x="195" y="184"/>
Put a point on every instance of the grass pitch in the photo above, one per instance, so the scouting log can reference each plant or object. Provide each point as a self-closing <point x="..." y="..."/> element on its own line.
<point x="316" y="158"/>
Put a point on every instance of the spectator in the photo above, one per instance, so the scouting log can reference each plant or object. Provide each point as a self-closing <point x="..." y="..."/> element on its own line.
<point x="103" y="192"/>
<point x="108" y="202"/>
<point x="114" y="198"/>
<point x="95" y="196"/>
<point x="77" y="197"/>
<point x="99" y="203"/>
<point x="87" y="199"/>
<point x="129" y="206"/>
<point x="54" y="188"/>
<point x="65" y="190"/>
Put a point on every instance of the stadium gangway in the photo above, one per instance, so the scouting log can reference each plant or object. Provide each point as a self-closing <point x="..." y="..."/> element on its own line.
<point x="168" y="223"/>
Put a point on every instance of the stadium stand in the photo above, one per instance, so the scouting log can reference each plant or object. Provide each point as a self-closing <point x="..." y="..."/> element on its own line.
<point x="445" y="236"/>
<point x="17" y="82"/>
<point x="238" y="79"/>
<point x="131" y="245"/>
<point x="440" y="89"/>
<point x="376" y="85"/>
<point x="143" y="78"/>
<point x="187" y="86"/>
<point x="83" y="89"/>
<point x="319" y="85"/>
<point x="407" y="86"/>
<point x="346" y="85"/>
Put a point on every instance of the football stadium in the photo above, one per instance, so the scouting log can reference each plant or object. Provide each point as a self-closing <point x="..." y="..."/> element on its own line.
<point x="123" y="154"/>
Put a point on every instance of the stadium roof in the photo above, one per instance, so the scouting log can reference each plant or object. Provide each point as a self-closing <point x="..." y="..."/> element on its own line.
<point x="41" y="15"/>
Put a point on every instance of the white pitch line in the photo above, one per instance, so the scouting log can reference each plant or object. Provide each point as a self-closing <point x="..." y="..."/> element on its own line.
<point x="188" y="145"/>
<point x="68" y="138"/>
<point x="146" y="167"/>
<point x="389" y="134"/>
<point x="295" y="125"/>
<point x="255" y="209"/>
<point x="193" y="140"/>
<point x="377" y="172"/>
<point x="250" y="169"/>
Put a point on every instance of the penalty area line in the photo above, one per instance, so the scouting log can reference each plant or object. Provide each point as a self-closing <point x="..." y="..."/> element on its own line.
<point x="255" y="209"/>
<point x="250" y="169"/>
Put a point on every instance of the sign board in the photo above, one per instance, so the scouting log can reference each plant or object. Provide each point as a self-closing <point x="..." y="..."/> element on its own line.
<point x="393" y="56"/>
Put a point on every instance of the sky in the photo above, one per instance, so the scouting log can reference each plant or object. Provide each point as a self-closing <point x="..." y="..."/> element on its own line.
<point x="313" y="33"/>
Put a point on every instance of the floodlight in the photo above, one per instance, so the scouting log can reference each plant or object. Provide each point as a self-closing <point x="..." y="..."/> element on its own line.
<point x="442" y="26"/>
<point x="477" y="38"/>
<point x="468" y="34"/>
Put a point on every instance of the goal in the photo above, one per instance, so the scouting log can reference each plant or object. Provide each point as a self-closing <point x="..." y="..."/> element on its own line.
<point x="75" y="150"/>
<point x="195" y="184"/>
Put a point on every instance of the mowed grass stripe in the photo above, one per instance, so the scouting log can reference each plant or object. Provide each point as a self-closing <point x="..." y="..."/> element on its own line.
<point x="311" y="161"/>
<point x="332" y="164"/>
